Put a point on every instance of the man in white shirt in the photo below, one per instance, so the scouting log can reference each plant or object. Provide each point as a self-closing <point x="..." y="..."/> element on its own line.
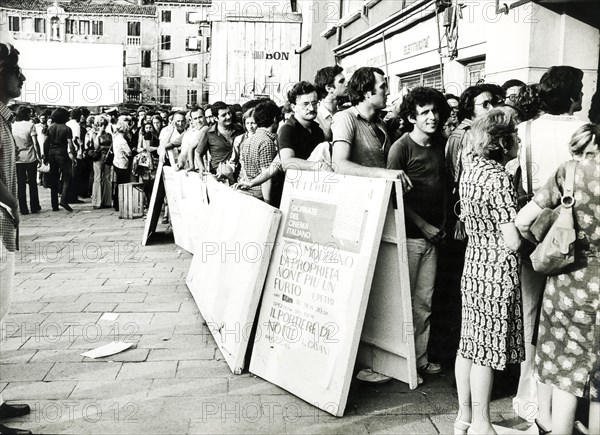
<point x="191" y="138"/>
<point x="330" y="84"/>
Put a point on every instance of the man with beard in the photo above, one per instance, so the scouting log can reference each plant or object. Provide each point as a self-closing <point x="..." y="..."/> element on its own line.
<point x="420" y="154"/>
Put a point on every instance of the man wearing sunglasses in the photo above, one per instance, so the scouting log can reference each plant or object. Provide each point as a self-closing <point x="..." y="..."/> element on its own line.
<point x="10" y="87"/>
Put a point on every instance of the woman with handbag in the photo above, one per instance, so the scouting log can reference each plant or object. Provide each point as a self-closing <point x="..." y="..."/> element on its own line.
<point x="121" y="152"/>
<point x="568" y="351"/>
<point x="99" y="141"/>
<point x="59" y="152"/>
<point x="492" y="326"/>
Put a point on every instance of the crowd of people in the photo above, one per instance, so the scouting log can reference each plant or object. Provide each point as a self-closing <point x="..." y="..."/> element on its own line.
<point x="476" y="171"/>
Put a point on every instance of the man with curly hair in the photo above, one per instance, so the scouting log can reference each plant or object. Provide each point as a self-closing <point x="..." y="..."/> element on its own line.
<point x="420" y="154"/>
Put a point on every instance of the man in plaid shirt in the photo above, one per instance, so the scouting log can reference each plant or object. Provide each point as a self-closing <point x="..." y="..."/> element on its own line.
<point x="260" y="149"/>
<point x="10" y="87"/>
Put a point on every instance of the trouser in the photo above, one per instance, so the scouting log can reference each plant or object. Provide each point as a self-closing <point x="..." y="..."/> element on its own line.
<point x="81" y="177"/>
<point x="7" y="276"/>
<point x="422" y="266"/>
<point x="27" y="176"/>
<point x="102" y="187"/>
<point x="122" y="178"/>
<point x="60" y="166"/>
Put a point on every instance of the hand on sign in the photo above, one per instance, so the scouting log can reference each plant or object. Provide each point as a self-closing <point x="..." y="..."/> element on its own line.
<point x="406" y="183"/>
<point x="242" y="185"/>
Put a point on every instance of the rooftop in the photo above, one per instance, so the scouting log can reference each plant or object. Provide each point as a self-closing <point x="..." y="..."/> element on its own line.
<point x="81" y="6"/>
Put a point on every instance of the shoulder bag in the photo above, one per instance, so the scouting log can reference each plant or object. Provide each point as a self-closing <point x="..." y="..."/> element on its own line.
<point x="557" y="250"/>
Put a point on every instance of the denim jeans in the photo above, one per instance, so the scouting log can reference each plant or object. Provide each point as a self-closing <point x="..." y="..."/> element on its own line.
<point x="422" y="267"/>
<point x="61" y="168"/>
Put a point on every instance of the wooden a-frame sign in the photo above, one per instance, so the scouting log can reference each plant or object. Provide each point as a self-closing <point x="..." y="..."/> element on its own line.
<point x="155" y="204"/>
<point x="319" y="283"/>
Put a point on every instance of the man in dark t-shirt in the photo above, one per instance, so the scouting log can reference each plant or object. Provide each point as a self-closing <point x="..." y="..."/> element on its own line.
<point x="420" y="154"/>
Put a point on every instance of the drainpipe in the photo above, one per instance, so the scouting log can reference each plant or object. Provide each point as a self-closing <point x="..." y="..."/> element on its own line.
<point x="437" y="25"/>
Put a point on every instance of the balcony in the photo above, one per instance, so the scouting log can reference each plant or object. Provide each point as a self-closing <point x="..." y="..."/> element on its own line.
<point x="134" y="40"/>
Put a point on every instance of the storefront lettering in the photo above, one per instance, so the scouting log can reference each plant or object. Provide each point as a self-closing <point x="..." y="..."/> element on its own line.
<point x="416" y="46"/>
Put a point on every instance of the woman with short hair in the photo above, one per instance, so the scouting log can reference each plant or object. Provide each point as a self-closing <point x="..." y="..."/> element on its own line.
<point x="492" y="326"/>
<point x="100" y="141"/>
<point x="122" y="152"/>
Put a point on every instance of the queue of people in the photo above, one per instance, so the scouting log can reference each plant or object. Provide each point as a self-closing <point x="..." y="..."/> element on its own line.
<point x="476" y="171"/>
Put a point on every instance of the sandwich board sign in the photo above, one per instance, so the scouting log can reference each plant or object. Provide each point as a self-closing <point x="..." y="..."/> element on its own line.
<point x="318" y="284"/>
<point x="229" y="267"/>
<point x="154" y="204"/>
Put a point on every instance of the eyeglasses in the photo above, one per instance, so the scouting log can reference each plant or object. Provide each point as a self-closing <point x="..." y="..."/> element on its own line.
<point x="308" y="104"/>
<point x="487" y="104"/>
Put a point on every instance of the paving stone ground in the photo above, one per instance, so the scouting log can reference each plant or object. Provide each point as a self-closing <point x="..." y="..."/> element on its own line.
<point x="74" y="267"/>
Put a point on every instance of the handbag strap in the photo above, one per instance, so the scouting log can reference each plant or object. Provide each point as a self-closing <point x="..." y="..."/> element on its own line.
<point x="528" y="157"/>
<point x="567" y="199"/>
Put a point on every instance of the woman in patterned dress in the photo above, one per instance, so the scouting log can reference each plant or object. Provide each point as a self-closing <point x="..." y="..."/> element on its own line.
<point x="492" y="325"/>
<point x="568" y="350"/>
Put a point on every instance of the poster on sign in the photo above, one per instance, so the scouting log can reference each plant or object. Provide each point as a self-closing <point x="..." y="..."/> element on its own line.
<point x="229" y="267"/>
<point x="318" y="284"/>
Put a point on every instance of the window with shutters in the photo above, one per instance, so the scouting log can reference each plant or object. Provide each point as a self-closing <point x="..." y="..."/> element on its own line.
<point x="165" y="42"/>
<point x="193" y="43"/>
<point x="474" y="73"/>
<point x="40" y="25"/>
<point x="165" y="16"/>
<point x="192" y="97"/>
<point x="192" y="70"/>
<point x="133" y="28"/>
<point x="431" y="78"/>
<point x="167" y="69"/>
<point x="84" y="27"/>
<point x="14" y="24"/>
<point x="97" y="27"/>
<point x="164" y="96"/>
<point x="146" y="59"/>
<point x="70" y="27"/>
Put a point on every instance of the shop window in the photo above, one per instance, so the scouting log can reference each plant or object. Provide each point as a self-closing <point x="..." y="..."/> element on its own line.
<point x="431" y="78"/>
<point x="40" y="25"/>
<point x="14" y="24"/>
<point x="146" y="58"/>
<point x="474" y="73"/>
<point x="164" y="96"/>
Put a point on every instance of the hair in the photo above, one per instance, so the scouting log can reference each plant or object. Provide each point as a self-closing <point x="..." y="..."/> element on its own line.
<point x="122" y="125"/>
<point x="23" y="114"/>
<point x="9" y="59"/>
<point x="511" y="84"/>
<point x="559" y="87"/>
<point x="493" y="133"/>
<point x="100" y="120"/>
<point x="451" y="97"/>
<point x="142" y="109"/>
<point x="249" y="105"/>
<point x="84" y="111"/>
<point x="361" y="82"/>
<point x="89" y="120"/>
<point x="326" y="77"/>
<point x="196" y="109"/>
<point x="421" y="96"/>
<point x="498" y="94"/>
<point x="528" y="102"/>
<point x="247" y="114"/>
<point x="76" y="113"/>
<point x="286" y="108"/>
<point x="60" y="115"/>
<point x="219" y="105"/>
<point x="300" y="88"/>
<point x="265" y="113"/>
<point x="158" y="118"/>
<point x="594" y="112"/>
<point x="584" y="136"/>
<point x="466" y="103"/>
<point x="180" y="112"/>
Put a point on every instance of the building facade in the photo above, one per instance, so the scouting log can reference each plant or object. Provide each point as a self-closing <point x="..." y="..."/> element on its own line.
<point x="165" y="44"/>
<point x="452" y="44"/>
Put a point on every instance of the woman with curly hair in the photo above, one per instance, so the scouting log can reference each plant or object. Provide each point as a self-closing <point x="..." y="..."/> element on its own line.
<point x="492" y="324"/>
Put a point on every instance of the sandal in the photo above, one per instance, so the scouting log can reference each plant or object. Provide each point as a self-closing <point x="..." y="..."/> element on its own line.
<point x="541" y="429"/>
<point x="461" y="427"/>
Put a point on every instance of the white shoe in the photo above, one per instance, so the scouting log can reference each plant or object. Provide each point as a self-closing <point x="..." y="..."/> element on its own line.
<point x="368" y="375"/>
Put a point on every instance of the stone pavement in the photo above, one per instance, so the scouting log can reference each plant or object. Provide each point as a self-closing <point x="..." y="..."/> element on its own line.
<point x="73" y="268"/>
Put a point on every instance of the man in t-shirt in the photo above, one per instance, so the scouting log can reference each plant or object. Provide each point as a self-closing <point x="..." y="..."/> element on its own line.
<point x="218" y="140"/>
<point x="360" y="140"/>
<point x="75" y="127"/>
<point x="420" y="154"/>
